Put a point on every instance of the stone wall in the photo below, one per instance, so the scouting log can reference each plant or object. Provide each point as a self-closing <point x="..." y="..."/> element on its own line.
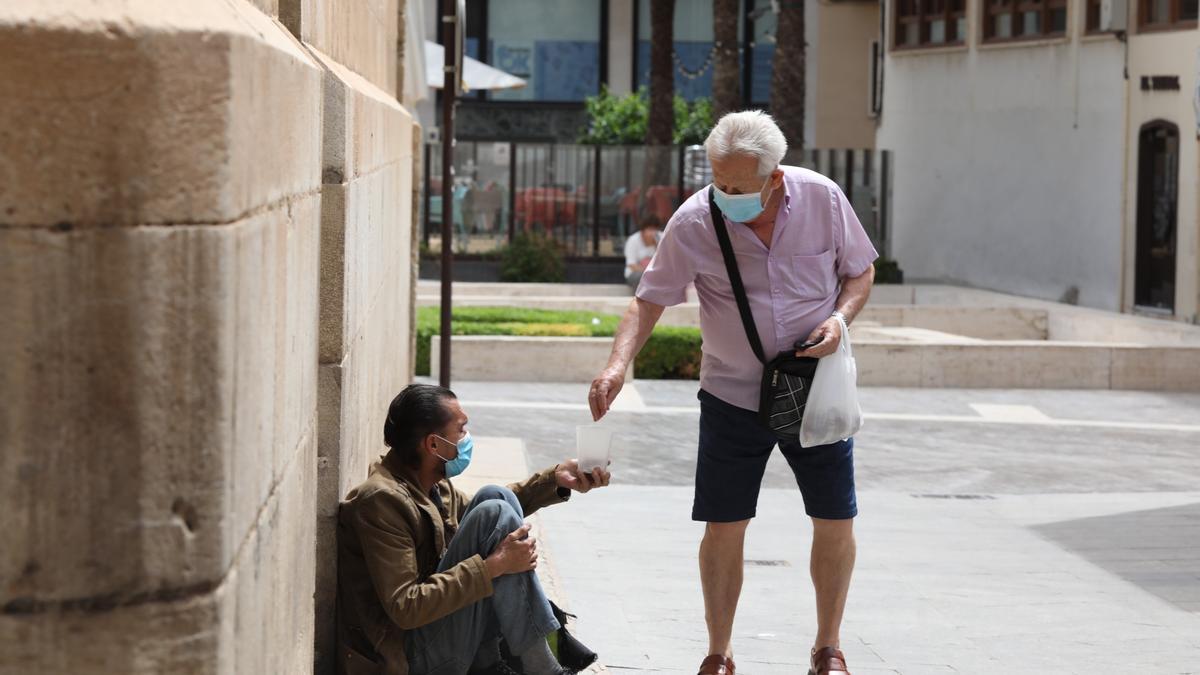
<point x="204" y="224"/>
<point x="365" y="281"/>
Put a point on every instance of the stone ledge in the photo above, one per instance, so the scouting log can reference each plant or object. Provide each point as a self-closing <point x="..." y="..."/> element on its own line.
<point x="524" y="359"/>
<point x="1030" y="364"/>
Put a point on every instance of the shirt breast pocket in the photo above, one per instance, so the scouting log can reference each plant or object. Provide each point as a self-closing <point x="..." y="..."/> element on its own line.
<point x="814" y="277"/>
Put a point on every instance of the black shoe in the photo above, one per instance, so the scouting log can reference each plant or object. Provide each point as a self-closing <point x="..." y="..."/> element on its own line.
<point x="572" y="653"/>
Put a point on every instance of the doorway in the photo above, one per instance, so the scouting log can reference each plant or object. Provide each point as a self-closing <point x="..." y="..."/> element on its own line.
<point x="1157" y="214"/>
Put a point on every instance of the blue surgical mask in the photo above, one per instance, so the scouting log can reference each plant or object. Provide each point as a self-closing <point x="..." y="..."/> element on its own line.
<point x="740" y="208"/>
<point x="459" y="464"/>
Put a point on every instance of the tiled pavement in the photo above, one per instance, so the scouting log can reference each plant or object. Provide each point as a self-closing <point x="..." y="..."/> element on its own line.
<point x="1000" y="532"/>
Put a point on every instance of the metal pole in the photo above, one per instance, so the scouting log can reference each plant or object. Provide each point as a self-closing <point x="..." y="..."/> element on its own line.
<point x="449" y="92"/>
<point x="596" y="202"/>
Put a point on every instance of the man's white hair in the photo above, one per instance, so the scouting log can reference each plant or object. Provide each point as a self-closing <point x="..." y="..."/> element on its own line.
<point x="749" y="133"/>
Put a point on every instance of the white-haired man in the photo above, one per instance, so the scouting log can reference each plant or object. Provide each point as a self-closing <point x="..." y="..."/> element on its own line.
<point x="804" y="258"/>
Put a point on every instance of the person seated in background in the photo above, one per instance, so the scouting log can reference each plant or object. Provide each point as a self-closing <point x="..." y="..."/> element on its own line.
<point x="429" y="581"/>
<point x="640" y="248"/>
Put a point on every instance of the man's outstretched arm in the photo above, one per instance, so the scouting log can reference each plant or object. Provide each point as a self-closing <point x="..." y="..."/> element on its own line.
<point x="632" y="333"/>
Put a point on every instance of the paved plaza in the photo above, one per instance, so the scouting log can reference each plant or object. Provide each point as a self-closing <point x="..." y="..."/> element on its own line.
<point x="1000" y="531"/>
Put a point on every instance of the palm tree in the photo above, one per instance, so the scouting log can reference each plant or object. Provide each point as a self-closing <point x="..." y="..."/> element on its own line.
<point x="787" y="77"/>
<point x="660" y="128"/>
<point x="727" y="95"/>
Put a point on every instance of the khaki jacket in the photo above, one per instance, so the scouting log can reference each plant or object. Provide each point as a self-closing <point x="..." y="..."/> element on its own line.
<point x="390" y="540"/>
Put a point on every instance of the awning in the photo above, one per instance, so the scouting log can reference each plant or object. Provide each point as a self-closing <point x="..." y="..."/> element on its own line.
<point x="476" y="75"/>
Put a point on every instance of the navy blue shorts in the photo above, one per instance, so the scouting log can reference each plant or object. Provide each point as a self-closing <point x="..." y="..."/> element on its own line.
<point x="734" y="449"/>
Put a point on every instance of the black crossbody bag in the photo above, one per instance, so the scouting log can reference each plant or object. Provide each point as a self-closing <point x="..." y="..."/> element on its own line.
<point x="787" y="378"/>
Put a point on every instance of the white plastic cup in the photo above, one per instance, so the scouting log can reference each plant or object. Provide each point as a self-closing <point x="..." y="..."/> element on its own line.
<point x="593" y="443"/>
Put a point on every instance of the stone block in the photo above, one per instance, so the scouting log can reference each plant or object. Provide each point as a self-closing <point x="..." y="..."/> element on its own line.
<point x="365" y="128"/>
<point x="985" y="323"/>
<point x="175" y="113"/>
<point x="151" y="416"/>
<point x="1156" y="368"/>
<point x="503" y="358"/>
<point x="1030" y="365"/>
<point x="367" y="207"/>
<point x="256" y="618"/>
<point x="887" y="365"/>
<point x="888" y="315"/>
<point x="891" y="294"/>
<point x="363" y="239"/>
<point x="362" y="34"/>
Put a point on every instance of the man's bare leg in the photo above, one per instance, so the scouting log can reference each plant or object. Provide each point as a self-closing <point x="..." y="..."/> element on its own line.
<point x="831" y="565"/>
<point x="721" y="579"/>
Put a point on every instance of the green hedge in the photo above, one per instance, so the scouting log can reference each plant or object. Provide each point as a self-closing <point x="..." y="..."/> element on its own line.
<point x="671" y="353"/>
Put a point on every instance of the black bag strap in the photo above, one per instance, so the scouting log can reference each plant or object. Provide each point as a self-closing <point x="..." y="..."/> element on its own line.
<point x="735" y="277"/>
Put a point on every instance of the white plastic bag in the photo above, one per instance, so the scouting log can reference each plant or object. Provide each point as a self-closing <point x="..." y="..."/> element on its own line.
<point x="832" y="412"/>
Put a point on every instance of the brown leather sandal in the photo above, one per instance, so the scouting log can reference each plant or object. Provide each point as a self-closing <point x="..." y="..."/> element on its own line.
<point x="828" y="661"/>
<point x="717" y="665"/>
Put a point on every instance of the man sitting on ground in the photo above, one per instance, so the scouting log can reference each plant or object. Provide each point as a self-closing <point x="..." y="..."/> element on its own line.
<point x="429" y="581"/>
<point x="640" y="248"/>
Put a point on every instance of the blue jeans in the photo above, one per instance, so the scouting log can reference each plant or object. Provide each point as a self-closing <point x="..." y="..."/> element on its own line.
<point x="518" y="610"/>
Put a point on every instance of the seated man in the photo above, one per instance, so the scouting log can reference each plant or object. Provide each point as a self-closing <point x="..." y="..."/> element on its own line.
<point x="428" y="582"/>
<point x="640" y="248"/>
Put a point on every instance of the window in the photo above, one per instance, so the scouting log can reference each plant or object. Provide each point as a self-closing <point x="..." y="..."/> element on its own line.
<point x="929" y="23"/>
<point x="1024" y="19"/>
<point x="1167" y="14"/>
<point x="693" y="38"/>
<point x="1093" y="16"/>
<point x="561" y="64"/>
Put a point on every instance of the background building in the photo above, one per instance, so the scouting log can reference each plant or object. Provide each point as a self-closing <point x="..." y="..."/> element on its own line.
<point x="569" y="50"/>
<point x="1047" y="150"/>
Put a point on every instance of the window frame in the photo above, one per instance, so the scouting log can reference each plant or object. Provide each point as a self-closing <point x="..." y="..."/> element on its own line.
<point x="484" y="37"/>
<point x="1173" y="22"/>
<point x="952" y="11"/>
<point x="1016" y="9"/>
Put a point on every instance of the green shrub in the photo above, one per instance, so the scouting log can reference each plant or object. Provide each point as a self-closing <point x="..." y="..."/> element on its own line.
<point x="671" y="352"/>
<point x="616" y="120"/>
<point x="622" y="120"/>
<point x="533" y="258"/>
<point x="887" y="271"/>
<point x="692" y="122"/>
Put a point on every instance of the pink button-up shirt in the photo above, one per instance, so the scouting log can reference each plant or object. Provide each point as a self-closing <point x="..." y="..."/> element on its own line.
<point x="792" y="286"/>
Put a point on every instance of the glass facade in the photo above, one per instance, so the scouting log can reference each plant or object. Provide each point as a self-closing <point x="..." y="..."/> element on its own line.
<point x="693" y="47"/>
<point x="555" y="46"/>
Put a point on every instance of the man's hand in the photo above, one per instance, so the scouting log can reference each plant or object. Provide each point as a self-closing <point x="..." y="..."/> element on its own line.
<point x="517" y="553"/>
<point x="569" y="475"/>
<point x="828" y="336"/>
<point x="604" y="391"/>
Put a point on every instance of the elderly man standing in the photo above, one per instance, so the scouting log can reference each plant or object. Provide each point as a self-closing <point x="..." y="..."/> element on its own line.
<point x="804" y="260"/>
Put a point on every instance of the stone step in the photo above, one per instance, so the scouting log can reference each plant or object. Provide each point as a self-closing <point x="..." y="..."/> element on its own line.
<point x="948" y="363"/>
<point x="476" y="288"/>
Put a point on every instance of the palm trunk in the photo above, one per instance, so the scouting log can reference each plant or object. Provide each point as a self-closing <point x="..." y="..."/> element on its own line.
<point x="727" y="95"/>
<point x="787" y="78"/>
<point x="660" y="127"/>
